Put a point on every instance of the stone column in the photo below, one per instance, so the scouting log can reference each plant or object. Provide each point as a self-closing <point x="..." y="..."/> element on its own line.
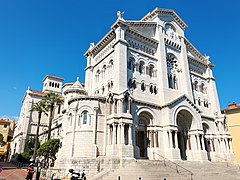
<point x="155" y="138"/>
<point x="198" y="142"/>
<point x="122" y="133"/>
<point x="203" y="145"/>
<point x="150" y="139"/>
<point x="130" y="134"/>
<point x="159" y="139"/>
<point x="189" y="141"/>
<point x="94" y="125"/>
<point x="176" y="140"/>
<point x="170" y="139"/>
<point x="122" y="105"/>
<point x="230" y="144"/>
<point x="109" y="134"/>
<point x="114" y="134"/>
<point x="118" y="134"/>
<point x="222" y="145"/>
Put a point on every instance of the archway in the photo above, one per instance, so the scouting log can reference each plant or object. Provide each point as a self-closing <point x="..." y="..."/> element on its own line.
<point x="142" y="137"/>
<point x="184" y="122"/>
<point x="207" y="143"/>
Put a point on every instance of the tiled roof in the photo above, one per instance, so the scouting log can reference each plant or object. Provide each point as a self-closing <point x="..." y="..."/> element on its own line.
<point x="38" y="92"/>
<point x="5" y="121"/>
<point x="232" y="107"/>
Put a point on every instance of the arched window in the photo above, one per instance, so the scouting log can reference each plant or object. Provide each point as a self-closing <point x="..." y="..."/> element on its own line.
<point x="202" y="88"/>
<point x="134" y="84"/>
<point x="103" y="89"/>
<point x="205" y="103"/>
<point x="196" y="86"/>
<point x="104" y="71"/>
<point x="151" y="72"/>
<point x="143" y="88"/>
<point x="111" y="67"/>
<point x="97" y="75"/>
<point x="141" y="67"/>
<point x="172" y="71"/>
<point x="199" y="102"/>
<point x="151" y="89"/>
<point x="155" y="90"/>
<point x="85" y="117"/>
<point x="131" y="64"/>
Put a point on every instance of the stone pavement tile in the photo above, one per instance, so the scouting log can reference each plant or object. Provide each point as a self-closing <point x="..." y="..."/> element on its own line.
<point x="14" y="174"/>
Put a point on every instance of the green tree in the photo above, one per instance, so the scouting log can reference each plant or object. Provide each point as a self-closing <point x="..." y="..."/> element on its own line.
<point x="51" y="100"/>
<point x="2" y="142"/>
<point x="49" y="149"/>
<point x="39" y="107"/>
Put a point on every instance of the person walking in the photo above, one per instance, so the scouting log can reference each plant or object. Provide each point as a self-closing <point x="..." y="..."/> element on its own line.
<point x="30" y="172"/>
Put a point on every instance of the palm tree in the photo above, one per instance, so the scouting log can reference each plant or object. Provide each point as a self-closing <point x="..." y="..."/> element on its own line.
<point x="52" y="99"/>
<point x="39" y="107"/>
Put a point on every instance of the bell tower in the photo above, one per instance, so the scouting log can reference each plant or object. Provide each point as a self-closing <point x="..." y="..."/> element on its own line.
<point x="52" y="84"/>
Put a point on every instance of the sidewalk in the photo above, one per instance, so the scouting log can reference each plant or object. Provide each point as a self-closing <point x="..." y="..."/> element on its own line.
<point x="11" y="172"/>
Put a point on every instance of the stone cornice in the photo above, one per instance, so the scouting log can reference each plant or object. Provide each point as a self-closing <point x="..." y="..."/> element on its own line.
<point x="101" y="44"/>
<point x="157" y="11"/>
<point x="191" y="47"/>
<point x="131" y="32"/>
<point x="145" y="103"/>
<point x="91" y="98"/>
<point x="142" y="24"/>
<point x="196" y="62"/>
<point x="187" y="99"/>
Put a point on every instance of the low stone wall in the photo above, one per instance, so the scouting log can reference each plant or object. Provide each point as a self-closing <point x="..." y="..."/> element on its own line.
<point x="91" y="166"/>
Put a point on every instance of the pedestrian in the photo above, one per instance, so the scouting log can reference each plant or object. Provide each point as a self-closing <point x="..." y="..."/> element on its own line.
<point x="30" y="172"/>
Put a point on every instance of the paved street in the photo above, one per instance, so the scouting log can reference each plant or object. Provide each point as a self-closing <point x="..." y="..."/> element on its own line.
<point x="10" y="172"/>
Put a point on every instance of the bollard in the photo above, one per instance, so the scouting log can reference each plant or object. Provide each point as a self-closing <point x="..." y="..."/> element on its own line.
<point x="118" y="177"/>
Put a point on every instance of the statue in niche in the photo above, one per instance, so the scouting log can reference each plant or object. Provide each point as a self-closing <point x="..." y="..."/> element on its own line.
<point x="171" y="32"/>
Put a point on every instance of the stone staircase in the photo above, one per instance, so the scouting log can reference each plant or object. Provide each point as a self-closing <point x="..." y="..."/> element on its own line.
<point x="146" y="170"/>
<point x="160" y="170"/>
<point x="212" y="170"/>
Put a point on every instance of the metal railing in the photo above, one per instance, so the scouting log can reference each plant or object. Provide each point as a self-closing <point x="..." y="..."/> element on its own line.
<point x="179" y="169"/>
<point x="225" y="160"/>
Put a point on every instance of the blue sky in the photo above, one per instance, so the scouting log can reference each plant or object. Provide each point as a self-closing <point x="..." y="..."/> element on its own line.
<point x="50" y="37"/>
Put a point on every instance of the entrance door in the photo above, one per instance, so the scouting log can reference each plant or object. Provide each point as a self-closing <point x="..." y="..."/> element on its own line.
<point x="142" y="144"/>
<point x="182" y="142"/>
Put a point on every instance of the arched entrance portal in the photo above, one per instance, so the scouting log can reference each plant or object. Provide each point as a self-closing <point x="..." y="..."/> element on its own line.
<point x="206" y="140"/>
<point x="142" y="138"/>
<point x="184" y="122"/>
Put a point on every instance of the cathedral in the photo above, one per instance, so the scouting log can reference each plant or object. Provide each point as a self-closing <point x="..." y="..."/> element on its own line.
<point x="148" y="93"/>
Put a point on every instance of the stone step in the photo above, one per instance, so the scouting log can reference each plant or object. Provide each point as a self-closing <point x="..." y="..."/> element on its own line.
<point x="151" y="170"/>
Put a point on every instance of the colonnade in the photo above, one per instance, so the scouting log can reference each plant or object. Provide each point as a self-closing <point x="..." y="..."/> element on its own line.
<point x="119" y="133"/>
<point x="187" y="141"/>
<point x="120" y="106"/>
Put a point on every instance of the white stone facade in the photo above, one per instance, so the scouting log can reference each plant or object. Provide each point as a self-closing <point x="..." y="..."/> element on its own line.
<point x="147" y="90"/>
<point x="27" y="124"/>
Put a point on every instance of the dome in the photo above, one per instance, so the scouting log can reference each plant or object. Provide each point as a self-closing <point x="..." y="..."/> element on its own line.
<point x="77" y="88"/>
